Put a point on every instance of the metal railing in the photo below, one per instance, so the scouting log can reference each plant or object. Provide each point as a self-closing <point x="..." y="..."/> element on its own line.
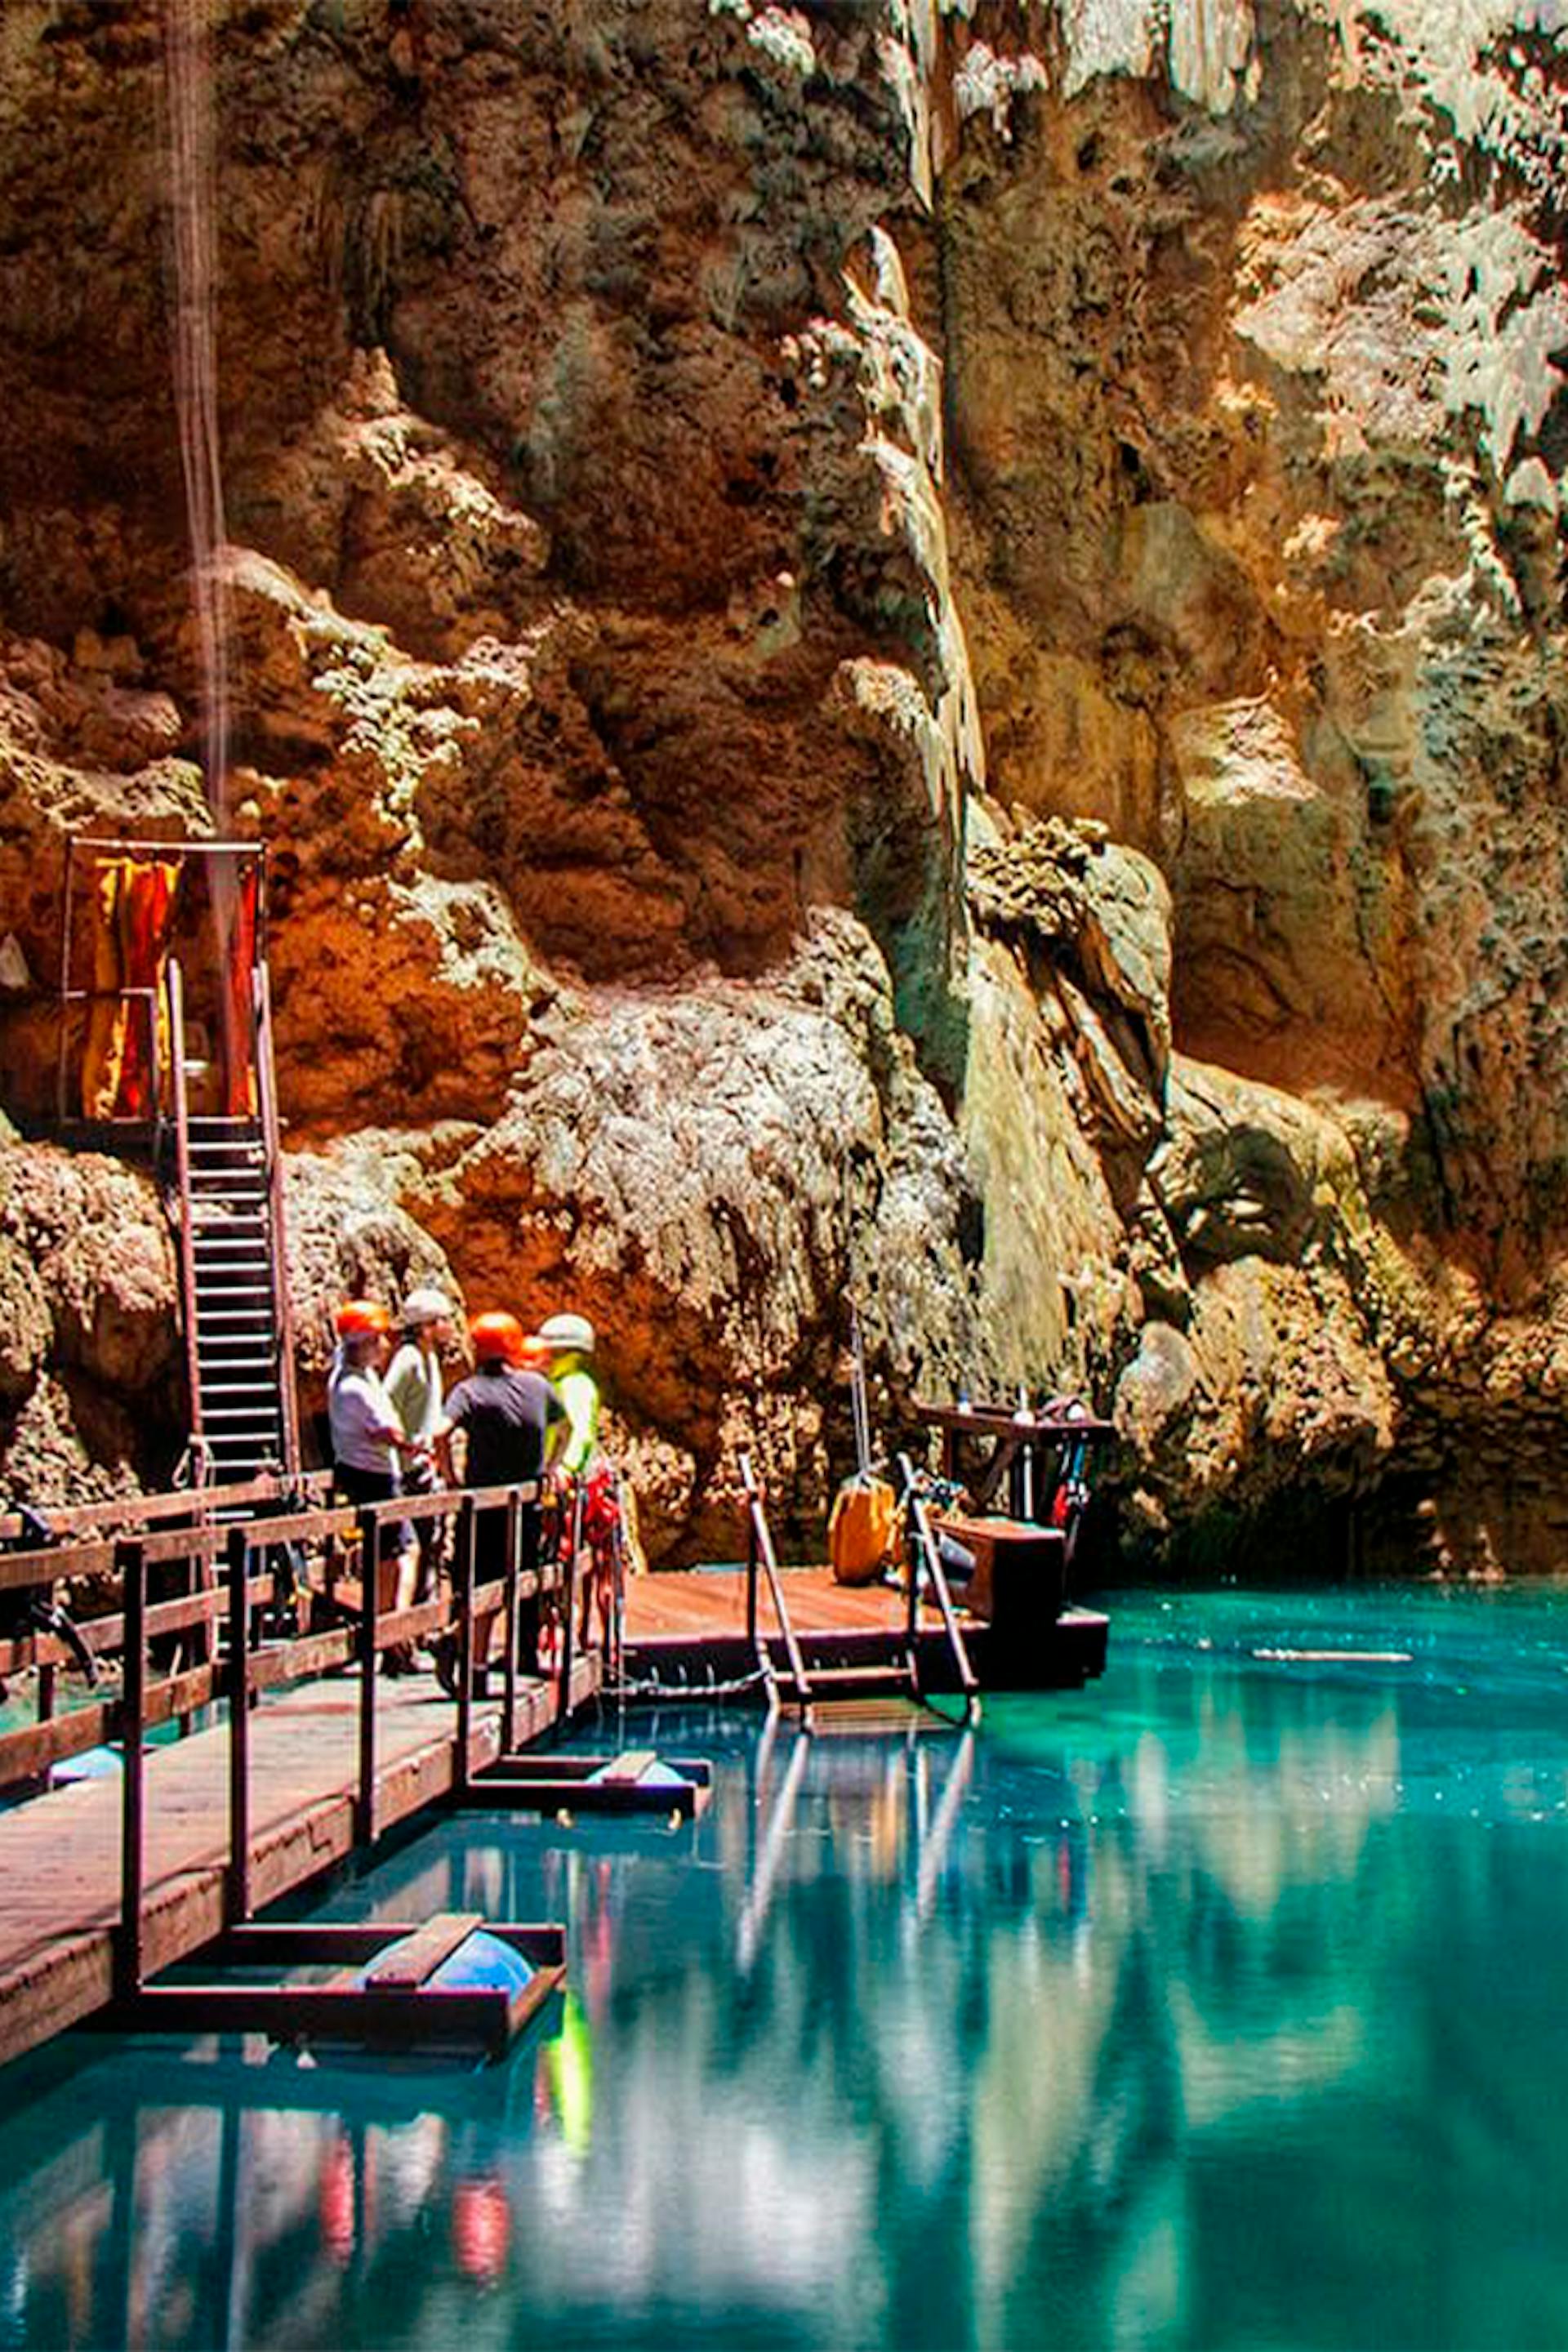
<point x="923" y="1554"/>
<point x="761" y="1556"/>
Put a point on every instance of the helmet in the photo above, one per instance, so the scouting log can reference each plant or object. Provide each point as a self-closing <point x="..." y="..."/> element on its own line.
<point x="422" y="1306"/>
<point x="568" y="1334"/>
<point x="496" y="1337"/>
<point x="356" y="1319"/>
<point x="534" y="1352"/>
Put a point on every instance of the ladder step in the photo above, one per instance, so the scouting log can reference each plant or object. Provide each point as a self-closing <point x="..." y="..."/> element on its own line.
<point x="866" y="1678"/>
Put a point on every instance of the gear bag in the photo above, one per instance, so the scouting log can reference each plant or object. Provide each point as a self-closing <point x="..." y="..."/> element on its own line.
<point x="860" y="1530"/>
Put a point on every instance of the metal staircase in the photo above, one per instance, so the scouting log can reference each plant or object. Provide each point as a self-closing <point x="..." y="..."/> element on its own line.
<point x="238" y="1342"/>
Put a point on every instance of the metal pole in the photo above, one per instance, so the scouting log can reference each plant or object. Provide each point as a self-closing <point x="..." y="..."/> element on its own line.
<point x="369" y="1534"/>
<point x="131" y="1561"/>
<point x="61" y="1073"/>
<point x="239" y="1551"/>
<point x="175" y="984"/>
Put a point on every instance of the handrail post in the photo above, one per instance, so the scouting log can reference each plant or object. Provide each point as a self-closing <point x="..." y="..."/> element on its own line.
<point x="370" y="1564"/>
<point x="509" y="1622"/>
<point x="47" y="1691"/>
<point x="912" y="1557"/>
<point x="239" y="1551"/>
<point x="272" y="1150"/>
<point x="762" y="1540"/>
<point x="62" y="1061"/>
<point x="569" y="1603"/>
<point x="175" y="985"/>
<point x="131" y="1561"/>
<point x="750" y="1556"/>
<point x="932" y="1556"/>
<point x="468" y="1525"/>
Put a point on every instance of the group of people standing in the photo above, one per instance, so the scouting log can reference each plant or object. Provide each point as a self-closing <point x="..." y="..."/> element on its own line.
<point x="529" y="1404"/>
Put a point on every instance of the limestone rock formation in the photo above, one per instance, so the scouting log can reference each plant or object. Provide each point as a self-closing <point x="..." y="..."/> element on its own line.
<point x="887" y="652"/>
<point x="91" y="1354"/>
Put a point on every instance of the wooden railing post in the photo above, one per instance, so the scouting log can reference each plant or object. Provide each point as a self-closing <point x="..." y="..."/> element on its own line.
<point x="509" y="1622"/>
<point x="369" y="1567"/>
<point x="569" y="1603"/>
<point x="239" y="1551"/>
<point x="468" y="1519"/>
<point x="46" y="1685"/>
<point x="131" y="1561"/>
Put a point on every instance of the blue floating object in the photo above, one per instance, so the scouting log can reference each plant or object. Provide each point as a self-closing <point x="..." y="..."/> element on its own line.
<point x="93" y="1764"/>
<point x="484" y="1963"/>
<point x="481" y="1963"/>
<point x="653" y="1775"/>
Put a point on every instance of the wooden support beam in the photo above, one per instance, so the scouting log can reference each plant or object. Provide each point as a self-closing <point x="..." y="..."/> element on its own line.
<point x="414" y="1960"/>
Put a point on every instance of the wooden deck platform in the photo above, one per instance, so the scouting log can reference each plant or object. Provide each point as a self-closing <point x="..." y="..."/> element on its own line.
<point x="683" y="1624"/>
<point x="60" y="1854"/>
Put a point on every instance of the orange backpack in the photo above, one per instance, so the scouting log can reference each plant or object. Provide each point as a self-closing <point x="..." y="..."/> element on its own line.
<point x="860" y="1530"/>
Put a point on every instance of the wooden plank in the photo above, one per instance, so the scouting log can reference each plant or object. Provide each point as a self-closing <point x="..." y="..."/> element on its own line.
<point x="125" y="1515"/>
<point x="629" y="1766"/>
<point x="500" y="1790"/>
<point x="416" y="1961"/>
<point x="20" y="1569"/>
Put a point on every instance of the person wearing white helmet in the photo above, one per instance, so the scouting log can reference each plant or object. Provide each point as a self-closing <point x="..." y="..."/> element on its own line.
<point x="570" y="1339"/>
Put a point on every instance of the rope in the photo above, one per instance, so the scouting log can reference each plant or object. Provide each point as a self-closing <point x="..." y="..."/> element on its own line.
<point x="654" y="1687"/>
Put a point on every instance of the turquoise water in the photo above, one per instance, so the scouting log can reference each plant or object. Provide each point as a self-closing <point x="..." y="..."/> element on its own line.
<point x="1223" y="2003"/>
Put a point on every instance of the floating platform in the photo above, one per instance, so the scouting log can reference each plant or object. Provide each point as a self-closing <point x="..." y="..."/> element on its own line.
<point x="454" y="1984"/>
<point x="637" y="1782"/>
<point x="685" y="1629"/>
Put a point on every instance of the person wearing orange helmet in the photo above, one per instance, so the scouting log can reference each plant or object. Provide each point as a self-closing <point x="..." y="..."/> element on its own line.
<point x="511" y="1422"/>
<point x="369" y="1442"/>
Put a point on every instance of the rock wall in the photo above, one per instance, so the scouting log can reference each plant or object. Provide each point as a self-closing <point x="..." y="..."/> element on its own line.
<point x="888" y="651"/>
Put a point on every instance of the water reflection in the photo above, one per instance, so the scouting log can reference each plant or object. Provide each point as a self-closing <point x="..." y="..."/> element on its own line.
<point x="1219" y="2004"/>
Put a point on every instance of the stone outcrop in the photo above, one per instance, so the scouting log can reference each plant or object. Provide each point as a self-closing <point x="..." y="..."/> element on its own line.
<point x="885" y="652"/>
<point x="91" y="1356"/>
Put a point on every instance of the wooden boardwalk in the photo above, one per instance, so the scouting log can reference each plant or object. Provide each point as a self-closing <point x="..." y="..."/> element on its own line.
<point x="60" y="1854"/>
<point x="685" y="1623"/>
<point x="699" y="1604"/>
